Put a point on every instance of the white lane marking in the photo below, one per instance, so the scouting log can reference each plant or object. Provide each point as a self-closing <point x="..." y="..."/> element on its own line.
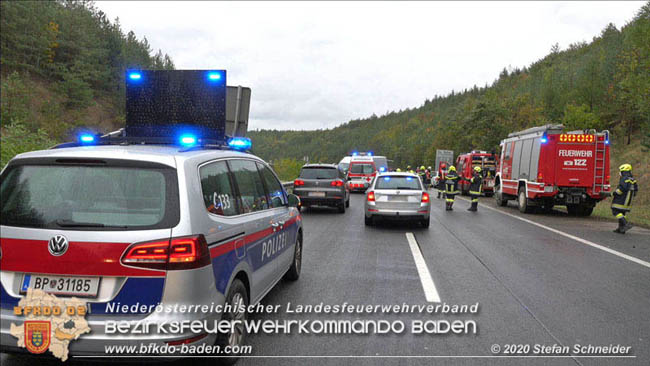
<point x="430" y="292"/>
<point x="583" y="241"/>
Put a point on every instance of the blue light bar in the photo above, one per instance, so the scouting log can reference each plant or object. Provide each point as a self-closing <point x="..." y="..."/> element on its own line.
<point x="354" y="153"/>
<point x="544" y="140"/>
<point x="135" y="76"/>
<point x="240" y="143"/>
<point x="214" y="76"/>
<point x="382" y="169"/>
<point x="86" y="138"/>
<point x="188" y="140"/>
<point x="409" y="178"/>
<point x="369" y="153"/>
<point x="386" y="179"/>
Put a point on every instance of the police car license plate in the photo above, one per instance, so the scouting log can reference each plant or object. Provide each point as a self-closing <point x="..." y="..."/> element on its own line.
<point x="62" y="285"/>
<point x="397" y="198"/>
<point x="316" y="194"/>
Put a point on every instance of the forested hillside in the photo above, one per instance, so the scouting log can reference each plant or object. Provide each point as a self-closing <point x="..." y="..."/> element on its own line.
<point x="63" y="67"/>
<point x="604" y="84"/>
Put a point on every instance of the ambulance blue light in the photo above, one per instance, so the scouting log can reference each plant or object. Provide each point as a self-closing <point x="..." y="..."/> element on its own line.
<point x="544" y="140"/>
<point x="214" y="76"/>
<point x="354" y="153"/>
<point x="386" y="179"/>
<point x="369" y="153"/>
<point x="240" y="143"/>
<point x="135" y="76"/>
<point x="409" y="178"/>
<point x="606" y="142"/>
<point x="86" y="138"/>
<point x="188" y="140"/>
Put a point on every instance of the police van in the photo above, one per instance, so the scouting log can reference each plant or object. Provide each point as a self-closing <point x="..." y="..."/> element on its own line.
<point x="161" y="212"/>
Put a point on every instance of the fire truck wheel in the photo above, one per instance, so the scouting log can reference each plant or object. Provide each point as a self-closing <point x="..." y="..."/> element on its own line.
<point x="498" y="196"/>
<point x="524" y="207"/>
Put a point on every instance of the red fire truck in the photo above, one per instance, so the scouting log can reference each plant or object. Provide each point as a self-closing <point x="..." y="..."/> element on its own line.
<point x="465" y="164"/>
<point x="543" y="166"/>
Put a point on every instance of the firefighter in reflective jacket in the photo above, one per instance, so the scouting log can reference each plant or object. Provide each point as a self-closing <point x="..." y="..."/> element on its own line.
<point x="476" y="183"/>
<point x="440" y="185"/>
<point x="451" y="187"/>
<point x="627" y="188"/>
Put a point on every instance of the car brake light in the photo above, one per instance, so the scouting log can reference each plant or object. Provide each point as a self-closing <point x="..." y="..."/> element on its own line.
<point x="298" y="183"/>
<point x="425" y="197"/>
<point x="337" y="183"/>
<point x="180" y="253"/>
<point x="371" y="197"/>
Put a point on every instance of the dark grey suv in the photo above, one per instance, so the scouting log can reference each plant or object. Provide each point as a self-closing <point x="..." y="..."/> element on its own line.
<point x="322" y="185"/>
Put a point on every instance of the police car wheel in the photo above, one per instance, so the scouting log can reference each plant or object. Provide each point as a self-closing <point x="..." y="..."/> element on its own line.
<point x="425" y="222"/>
<point x="347" y="203"/>
<point x="341" y="207"/>
<point x="294" y="271"/>
<point x="237" y="295"/>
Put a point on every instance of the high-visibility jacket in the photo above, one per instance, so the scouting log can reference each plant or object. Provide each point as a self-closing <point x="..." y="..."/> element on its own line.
<point x="627" y="188"/>
<point x="476" y="184"/>
<point x="451" y="183"/>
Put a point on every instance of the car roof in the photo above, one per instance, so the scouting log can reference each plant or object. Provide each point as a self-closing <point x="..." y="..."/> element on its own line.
<point x="405" y="174"/>
<point x="320" y="165"/>
<point x="163" y="154"/>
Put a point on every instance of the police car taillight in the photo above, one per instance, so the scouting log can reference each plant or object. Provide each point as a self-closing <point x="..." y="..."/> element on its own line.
<point x="370" y="197"/>
<point x="298" y="183"/>
<point x="179" y="253"/>
<point x="337" y="183"/>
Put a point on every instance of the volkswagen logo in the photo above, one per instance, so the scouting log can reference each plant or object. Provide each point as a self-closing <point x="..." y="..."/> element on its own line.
<point x="58" y="245"/>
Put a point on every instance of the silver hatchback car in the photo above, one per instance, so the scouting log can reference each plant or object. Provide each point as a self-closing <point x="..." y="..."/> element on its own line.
<point x="145" y="225"/>
<point x="397" y="196"/>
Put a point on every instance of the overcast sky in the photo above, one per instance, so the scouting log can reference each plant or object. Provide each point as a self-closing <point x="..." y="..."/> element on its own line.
<point x="319" y="64"/>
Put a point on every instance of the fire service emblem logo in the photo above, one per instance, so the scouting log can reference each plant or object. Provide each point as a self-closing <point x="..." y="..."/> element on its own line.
<point x="58" y="245"/>
<point x="37" y="336"/>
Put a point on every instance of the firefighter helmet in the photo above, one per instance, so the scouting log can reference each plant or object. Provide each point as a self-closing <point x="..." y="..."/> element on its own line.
<point x="625" y="168"/>
<point x="452" y="168"/>
<point x="422" y="167"/>
<point x="477" y="169"/>
<point x="399" y="170"/>
<point x="408" y="167"/>
<point x="429" y="168"/>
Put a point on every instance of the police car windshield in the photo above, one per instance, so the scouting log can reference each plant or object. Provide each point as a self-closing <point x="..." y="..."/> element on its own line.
<point x="88" y="197"/>
<point x="318" y="173"/>
<point x="361" y="168"/>
<point x="398" y="182"/>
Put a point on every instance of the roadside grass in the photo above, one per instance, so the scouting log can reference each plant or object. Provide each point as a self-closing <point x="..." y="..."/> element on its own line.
<point x="632" y="154"/>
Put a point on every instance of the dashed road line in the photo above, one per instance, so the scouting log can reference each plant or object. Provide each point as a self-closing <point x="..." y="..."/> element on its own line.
<point x="430" y="291"/>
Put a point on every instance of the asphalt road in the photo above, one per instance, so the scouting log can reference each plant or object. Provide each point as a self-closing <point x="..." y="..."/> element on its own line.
<point x="557" y="284"/>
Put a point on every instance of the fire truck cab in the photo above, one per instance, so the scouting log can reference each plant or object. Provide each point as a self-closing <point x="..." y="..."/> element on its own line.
<point x="543" y="166"/>
<point x="465" y="164"/>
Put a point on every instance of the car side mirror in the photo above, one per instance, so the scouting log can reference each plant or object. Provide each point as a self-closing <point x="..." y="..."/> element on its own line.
<point x="294" y="201"/>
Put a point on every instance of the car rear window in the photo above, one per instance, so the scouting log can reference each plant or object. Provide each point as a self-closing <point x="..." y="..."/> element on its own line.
<point x="318" y="173"/>
<point x="361" y="168"/>
<point x="398" y="182"/>
<point x="87" y="197"/>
